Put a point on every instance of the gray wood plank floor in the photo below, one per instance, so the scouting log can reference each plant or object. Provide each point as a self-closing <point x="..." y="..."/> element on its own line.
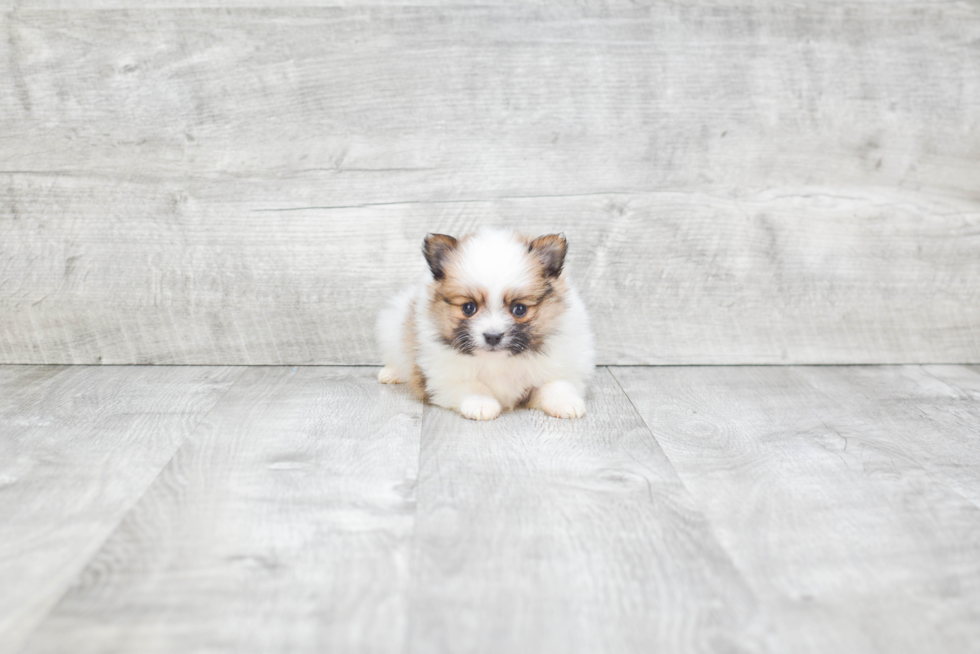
<point x="828" y="487"/>
<point x="708" y="509"/>
<point x="78" y="446"/>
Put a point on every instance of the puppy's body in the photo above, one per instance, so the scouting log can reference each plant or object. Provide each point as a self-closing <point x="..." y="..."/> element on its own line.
<point x="493" y="325"/>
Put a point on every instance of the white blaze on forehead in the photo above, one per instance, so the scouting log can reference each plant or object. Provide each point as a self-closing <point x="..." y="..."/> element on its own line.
<point x="494" y="261"/>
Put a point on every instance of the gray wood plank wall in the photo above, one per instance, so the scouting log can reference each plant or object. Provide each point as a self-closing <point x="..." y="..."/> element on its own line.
<point x="740" y="183"/>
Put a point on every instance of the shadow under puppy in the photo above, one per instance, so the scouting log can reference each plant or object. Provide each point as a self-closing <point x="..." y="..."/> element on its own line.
<point x="493" y="325"/>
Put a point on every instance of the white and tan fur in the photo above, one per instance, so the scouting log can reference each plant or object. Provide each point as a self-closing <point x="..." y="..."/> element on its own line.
<point x="545" y="355"/>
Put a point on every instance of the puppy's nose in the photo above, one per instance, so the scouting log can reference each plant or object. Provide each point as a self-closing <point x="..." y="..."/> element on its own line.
<point x="493" y="339"/>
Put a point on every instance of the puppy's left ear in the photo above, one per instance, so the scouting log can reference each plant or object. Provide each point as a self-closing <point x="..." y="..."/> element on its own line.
<point x="550" y="250"/>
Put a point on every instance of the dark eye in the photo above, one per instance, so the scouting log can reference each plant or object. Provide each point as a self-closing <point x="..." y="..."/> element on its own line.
<point x="469" y="308"/>
<point x="518" y="310"/>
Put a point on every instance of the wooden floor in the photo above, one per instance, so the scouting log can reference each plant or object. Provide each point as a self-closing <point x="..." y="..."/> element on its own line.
<point x="310" y="509"/>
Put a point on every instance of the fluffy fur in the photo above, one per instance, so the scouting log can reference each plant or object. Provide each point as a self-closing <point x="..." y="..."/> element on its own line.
<point x="494" y="324"/>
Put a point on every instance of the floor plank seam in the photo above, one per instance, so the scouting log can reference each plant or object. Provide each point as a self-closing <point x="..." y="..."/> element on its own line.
<point x="648" y="428"/>
<point x="413" y="555"/>
<point x="137" y="497"/>
<point x="709" y="525"/>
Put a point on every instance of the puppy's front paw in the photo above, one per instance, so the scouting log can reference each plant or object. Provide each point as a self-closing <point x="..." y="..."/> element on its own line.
<point x="389" y="375"/>
<point x="559" y="400"/>
<point x="479" y="407"/>
<point x="568" y="408"/>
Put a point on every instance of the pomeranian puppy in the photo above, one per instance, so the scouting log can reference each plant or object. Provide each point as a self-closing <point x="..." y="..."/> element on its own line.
<point x="493" y="325"/>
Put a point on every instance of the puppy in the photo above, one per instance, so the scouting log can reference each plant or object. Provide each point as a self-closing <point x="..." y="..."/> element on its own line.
<point x="493" y="325"/>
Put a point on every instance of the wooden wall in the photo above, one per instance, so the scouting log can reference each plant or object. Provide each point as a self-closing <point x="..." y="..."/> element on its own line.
<point x="740" y="183"/>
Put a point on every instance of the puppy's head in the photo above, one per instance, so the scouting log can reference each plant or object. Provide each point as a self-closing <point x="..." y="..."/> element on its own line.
<point x="496" y="293"/>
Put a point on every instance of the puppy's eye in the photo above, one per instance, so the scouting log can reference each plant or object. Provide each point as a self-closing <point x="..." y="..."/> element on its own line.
<point x="469" y="308"/>
<point x="518" y="310"/>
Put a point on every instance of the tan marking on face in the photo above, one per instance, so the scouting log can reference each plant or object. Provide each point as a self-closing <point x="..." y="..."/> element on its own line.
<point x="446" y="299"/>
<point x="544" y="298"/>
<point x="550" y="307"/>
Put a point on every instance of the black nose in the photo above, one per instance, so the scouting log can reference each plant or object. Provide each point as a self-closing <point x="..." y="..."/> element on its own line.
<point x="493" y="339"/>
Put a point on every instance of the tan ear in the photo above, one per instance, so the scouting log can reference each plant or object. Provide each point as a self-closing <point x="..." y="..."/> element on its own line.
<point x="550" y="250"/>
<point x="436" y="249"/>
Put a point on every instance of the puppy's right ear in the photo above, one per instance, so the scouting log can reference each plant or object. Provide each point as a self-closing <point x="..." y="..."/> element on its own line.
<point x="437" y="249"/>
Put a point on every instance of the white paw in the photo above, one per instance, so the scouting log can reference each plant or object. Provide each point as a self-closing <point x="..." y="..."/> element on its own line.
<point x="389" y="375"/>
<point x="559" y="400"/>
<point x="479" y="407"/>
<point x="568" y="408"/>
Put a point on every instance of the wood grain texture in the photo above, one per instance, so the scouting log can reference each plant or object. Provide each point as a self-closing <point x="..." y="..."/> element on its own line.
<point x="541" y="535"/>
<point x="790" y="509"/>
<point x="846" y="496"/>
<point x="439" y="4"/>
<point x="283" y="524"/>
<point x="671" y="277"/>
<point x="78" y="446"/>
<point x="929" y="415"/>
<point x="740" y="184"/>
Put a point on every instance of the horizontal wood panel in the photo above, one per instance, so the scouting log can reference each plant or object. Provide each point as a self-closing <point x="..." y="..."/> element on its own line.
<point x="740" y="184"/>
<point x="428" y="4"/>
<point x="669" y="278"/>
<point x="510" y="100"/>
